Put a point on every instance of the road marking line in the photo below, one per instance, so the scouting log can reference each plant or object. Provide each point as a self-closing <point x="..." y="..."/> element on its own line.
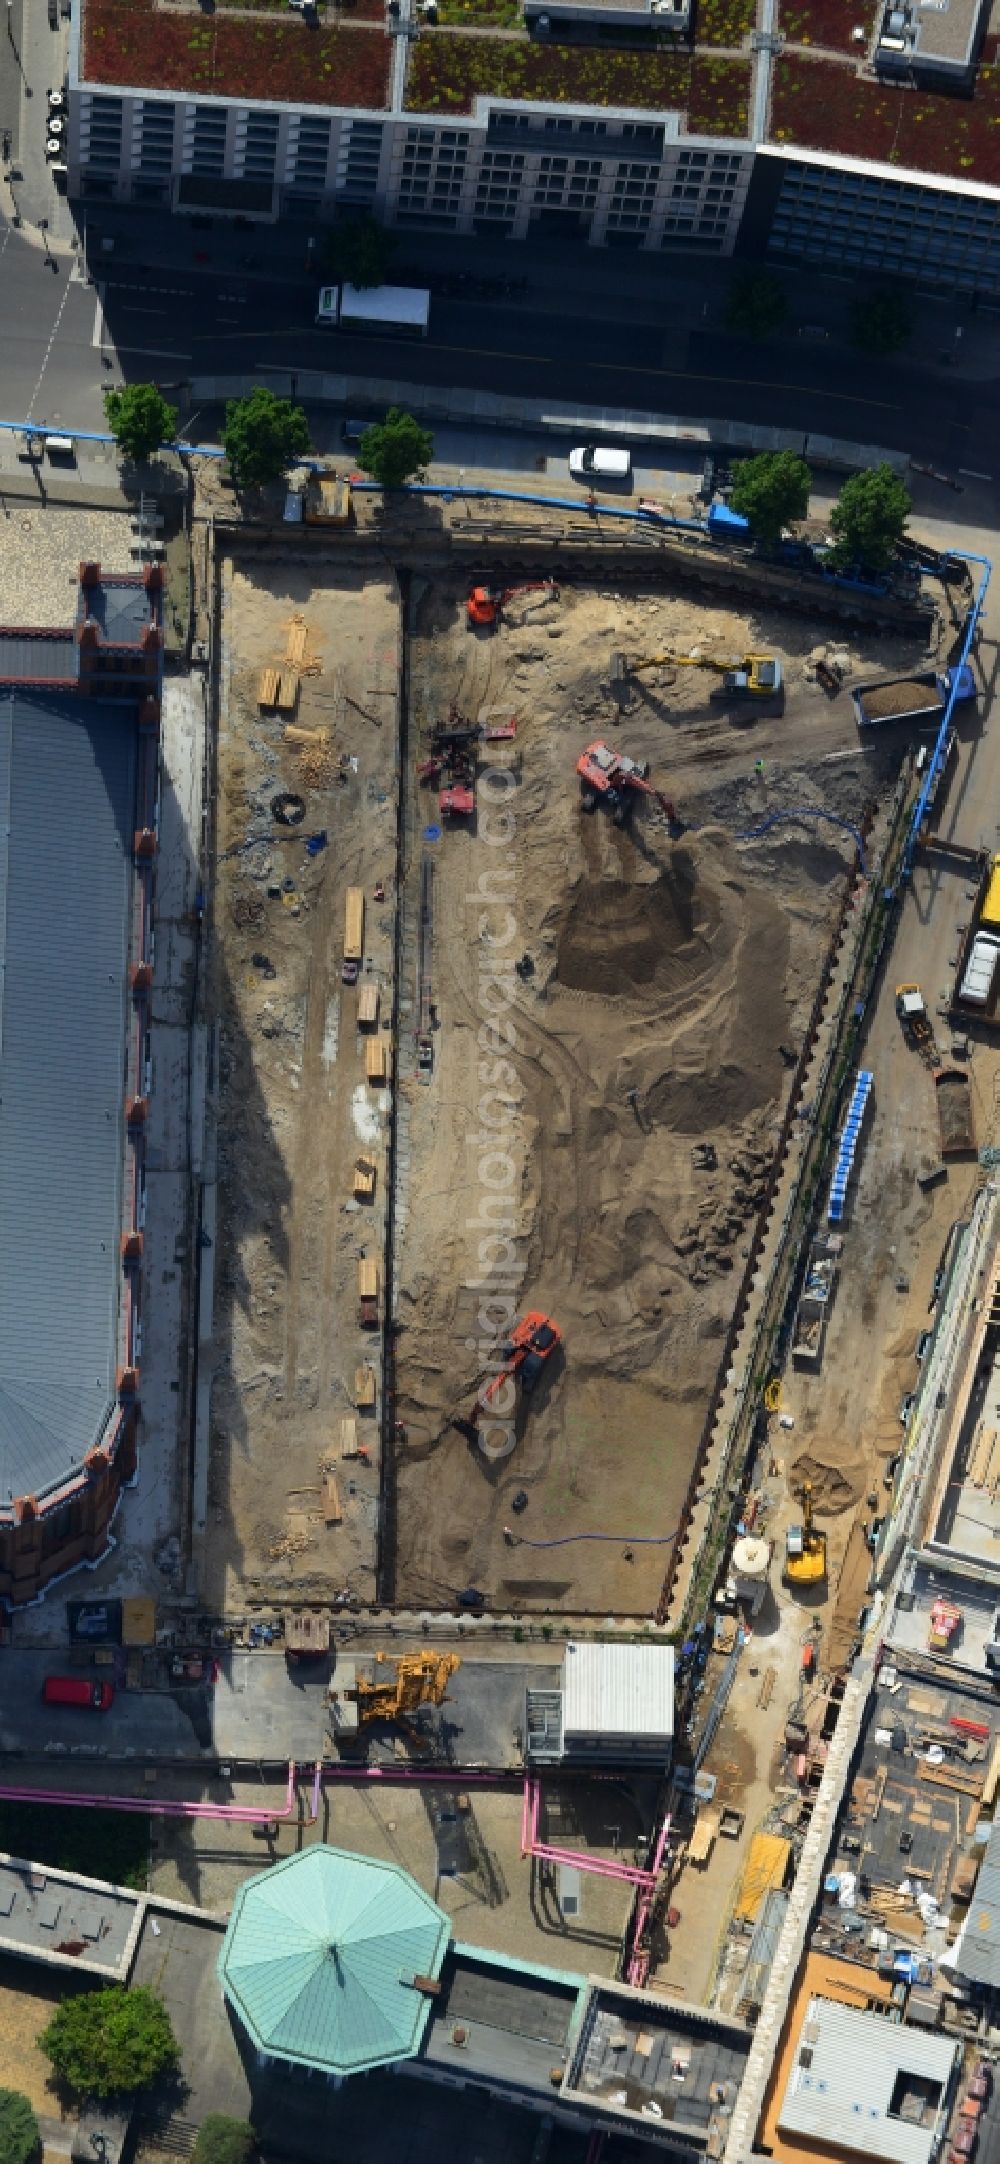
<point x="971" y="474"/>
<point x="153" y="353"/>
<point x="52" y="339"/>
<point x="679" y="375"/>
<point x="548" y="360"/>
<point x="99" y="325"/>
<point x="149" y="311"/>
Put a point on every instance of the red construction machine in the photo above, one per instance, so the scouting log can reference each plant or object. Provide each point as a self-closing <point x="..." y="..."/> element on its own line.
<point x="532" y="1341"/>
<point x="452" y="764"/>
<point x="486" y="604"/>
<point x="612" y="778"/>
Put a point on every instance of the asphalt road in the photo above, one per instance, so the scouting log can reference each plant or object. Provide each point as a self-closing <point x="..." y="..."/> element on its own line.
<point x="182" y="317"/>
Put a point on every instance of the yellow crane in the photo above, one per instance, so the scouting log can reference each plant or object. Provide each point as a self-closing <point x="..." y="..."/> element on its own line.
<point x="757" y="673"/>
<point x="412" y="1680"/>
<point x="805" y="1546"/>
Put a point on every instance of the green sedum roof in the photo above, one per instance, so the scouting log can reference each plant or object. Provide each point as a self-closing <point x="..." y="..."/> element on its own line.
<point x="317" y="1958"/>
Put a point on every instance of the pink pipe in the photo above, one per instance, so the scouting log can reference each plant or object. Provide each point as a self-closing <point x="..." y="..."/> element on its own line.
<point x="638" y="1968"/>
<point x="234" y="1813"/>
<point x="599" y="1866"/>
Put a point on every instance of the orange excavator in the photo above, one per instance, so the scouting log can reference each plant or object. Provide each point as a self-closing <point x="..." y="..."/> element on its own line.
<point x="611" y="777"/>
<point x="486" y="604"/>
<point x="531" y="1343"/>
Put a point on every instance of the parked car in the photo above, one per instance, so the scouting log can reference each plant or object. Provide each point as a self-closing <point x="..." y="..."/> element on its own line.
<point x="78" y="1691"/>
<point x="923" y="1345"/>
<point x="600" y="462"/>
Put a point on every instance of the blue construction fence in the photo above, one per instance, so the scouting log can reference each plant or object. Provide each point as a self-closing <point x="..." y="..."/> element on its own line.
<point x="847" y="1147"/>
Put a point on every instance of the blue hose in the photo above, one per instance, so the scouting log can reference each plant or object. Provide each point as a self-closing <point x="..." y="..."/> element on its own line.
<point x="807" y="811"/>
<point x="627" y="1540"/>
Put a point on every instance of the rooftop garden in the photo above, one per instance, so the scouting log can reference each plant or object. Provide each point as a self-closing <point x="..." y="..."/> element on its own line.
<point x="480" y="14"/>
<point x="372" y="11"/>
<point x="134" y="41"/>
<point x="724" y="22"/>
<point x="827" y="107"/>
<point x="447" y="73"/>
<point x="829" y="23"/>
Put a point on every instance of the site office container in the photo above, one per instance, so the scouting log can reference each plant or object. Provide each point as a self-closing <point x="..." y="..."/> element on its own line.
<point x="77" y="1691"/>
<point x="354" y="924"/>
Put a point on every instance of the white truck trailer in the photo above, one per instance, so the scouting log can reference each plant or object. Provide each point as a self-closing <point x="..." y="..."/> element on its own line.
<point x="402" y="311"/>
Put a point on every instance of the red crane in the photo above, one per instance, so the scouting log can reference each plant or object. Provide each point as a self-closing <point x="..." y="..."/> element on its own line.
<point x="532" y="1341"/>
<point x="610" y="777"/>
<point x="485" y="605"/>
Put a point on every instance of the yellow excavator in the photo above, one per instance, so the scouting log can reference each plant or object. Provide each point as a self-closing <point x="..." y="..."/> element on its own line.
<point x="805" y="1546"/>
<point x="401" y="1683"/>
<point x="759" y="674"/>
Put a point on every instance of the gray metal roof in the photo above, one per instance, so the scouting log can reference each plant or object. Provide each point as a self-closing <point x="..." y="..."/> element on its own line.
<point x="121" y="606"/>
<point x="618" y="1690"/>
<point x="847" y="2074"/>
<point x="977" y="1954"/>
<point x="39" y="657"/>
<point x="67" y="792"/>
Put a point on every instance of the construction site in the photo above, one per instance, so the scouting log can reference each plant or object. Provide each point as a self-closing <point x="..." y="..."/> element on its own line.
<point x="599" y="894"/>
<point x="586" y="982"/>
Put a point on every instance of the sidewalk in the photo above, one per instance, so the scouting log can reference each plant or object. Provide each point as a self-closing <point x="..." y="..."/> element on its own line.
<point x="33" y="60"/>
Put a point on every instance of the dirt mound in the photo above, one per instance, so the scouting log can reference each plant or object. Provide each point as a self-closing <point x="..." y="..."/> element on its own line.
<point x="833" y="1489"/>
<point x="798" y="860"/>
<point x="721" y="1095"/>
<point x="729" y="1069"/>
<point x="616" y="938"/>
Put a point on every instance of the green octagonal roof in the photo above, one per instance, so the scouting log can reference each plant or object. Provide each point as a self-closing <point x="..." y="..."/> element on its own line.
<point x="319" y="1957"/>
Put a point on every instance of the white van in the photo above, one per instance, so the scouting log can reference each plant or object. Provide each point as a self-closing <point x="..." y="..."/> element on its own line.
<point x="600" y="462"/>
<point x="980" y="970"/>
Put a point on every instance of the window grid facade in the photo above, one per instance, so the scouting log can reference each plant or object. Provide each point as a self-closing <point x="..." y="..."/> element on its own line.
<point x="946" y="243"/>
<point x="603" y="179"/>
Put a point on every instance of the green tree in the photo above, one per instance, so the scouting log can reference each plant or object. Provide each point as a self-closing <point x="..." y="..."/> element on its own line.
<point x="359" y="251"/>
<point x="757" y="304"/>
<point x="771" y="491"/>
<point x="139" y="419"/>
<point x="263" y="435"/>
<point x="882" y="321"/>
<point x="220" y="2141"/>
<point x="20" y="2140"/>
<point x="396" y="449"/>
<point x="869" y="520"/>
<point x="110" y="2043"/>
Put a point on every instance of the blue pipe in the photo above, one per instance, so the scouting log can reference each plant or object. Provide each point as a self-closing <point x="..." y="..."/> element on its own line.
<point x="807" y="811"/>
<point x="937" y="762"/>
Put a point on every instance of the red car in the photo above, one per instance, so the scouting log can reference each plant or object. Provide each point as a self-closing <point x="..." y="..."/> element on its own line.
<point x="78" y="1691"/>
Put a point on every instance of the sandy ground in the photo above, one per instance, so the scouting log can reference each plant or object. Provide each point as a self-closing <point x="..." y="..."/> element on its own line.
<point x="666" y="976"/>
<point x="295" y="1105"/>
<point x="27" y="2003"/>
